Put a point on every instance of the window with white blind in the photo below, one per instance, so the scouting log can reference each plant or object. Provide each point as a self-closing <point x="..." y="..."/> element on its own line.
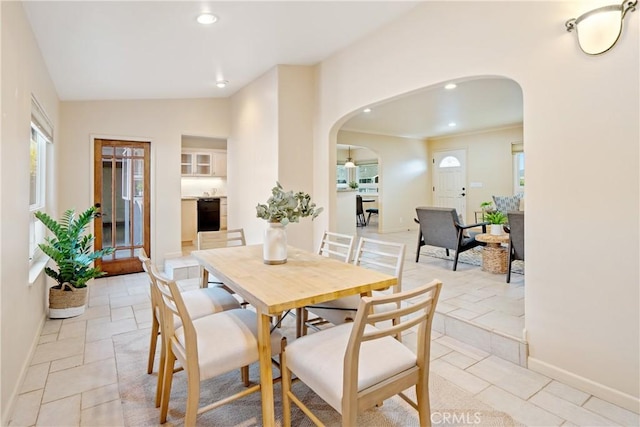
<point x="517" y="149"/>
<point x="367" y="177"/>
<point x="41" y="135"/>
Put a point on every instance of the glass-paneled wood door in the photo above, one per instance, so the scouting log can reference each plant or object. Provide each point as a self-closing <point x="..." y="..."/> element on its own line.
<point x="122" y="191"/>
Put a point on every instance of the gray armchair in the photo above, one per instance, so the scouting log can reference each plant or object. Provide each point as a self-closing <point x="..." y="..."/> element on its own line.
<point x="516" y="238"/>
<point x="441" y="227"/>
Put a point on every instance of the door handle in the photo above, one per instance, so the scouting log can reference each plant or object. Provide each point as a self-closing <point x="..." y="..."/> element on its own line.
<point x="463" y="194"/>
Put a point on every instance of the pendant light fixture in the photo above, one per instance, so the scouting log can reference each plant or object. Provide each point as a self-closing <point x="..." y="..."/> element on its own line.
<point x="349" y="163"/>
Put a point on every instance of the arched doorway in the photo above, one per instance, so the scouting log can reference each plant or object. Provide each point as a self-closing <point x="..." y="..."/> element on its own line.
<point x="482" y="115"/>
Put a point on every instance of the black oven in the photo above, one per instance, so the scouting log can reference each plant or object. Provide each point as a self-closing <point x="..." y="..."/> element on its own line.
<point x="208" y="214"/>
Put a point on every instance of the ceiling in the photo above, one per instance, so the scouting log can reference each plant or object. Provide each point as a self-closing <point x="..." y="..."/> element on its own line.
<point x="102" y="50"/>
<point x="98" y="50"/>
<point x="474" y="104"/>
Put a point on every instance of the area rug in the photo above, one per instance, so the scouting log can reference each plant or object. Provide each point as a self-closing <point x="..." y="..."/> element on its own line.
<point x="471" y="256"/>
<point x="450" y="405"/>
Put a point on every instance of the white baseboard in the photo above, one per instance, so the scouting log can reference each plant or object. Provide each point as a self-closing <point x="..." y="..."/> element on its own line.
<point x="7" y="411"/>
<point x="602" y="391"/>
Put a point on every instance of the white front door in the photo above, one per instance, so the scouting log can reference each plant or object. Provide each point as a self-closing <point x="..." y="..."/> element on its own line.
<point x="449" y="180"/>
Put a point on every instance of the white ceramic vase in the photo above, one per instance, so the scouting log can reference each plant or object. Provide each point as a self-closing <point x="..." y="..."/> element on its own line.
<point x="274" y="250"/>
<point x="496" y="229"/>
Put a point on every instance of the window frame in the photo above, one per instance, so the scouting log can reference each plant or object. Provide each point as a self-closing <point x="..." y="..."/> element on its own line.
<point x="518" y="181"/>
<point x="40" y="134"/>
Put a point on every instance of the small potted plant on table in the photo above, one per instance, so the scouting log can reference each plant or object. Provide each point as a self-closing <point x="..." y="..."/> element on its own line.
<point x="496" y="219"/>
<point x="72" y="252"/>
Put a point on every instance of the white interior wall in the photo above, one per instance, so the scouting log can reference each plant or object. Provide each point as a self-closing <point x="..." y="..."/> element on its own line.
<point x="252" y="153"/>
<point x="574" y="107"/>
<point x="23" y="305"/>
<point x="271" y="136"/>
<point x="295" y="141"/>
<point x="163" y="122"/>
<point x="404" y="177"/>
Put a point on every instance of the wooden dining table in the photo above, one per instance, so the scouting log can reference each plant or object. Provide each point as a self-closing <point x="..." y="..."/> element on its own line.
<point x="305" y="279"/>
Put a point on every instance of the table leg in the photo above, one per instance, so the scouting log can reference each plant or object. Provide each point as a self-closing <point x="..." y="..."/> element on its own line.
<point x="205" y="278"/>
<point x="266" y="376"/>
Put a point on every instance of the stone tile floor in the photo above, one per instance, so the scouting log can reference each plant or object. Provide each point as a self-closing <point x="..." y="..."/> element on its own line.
<point x="72" y="379"/>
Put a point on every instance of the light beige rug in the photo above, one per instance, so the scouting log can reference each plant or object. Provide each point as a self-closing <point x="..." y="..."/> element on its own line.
<point x="450" y="405"/>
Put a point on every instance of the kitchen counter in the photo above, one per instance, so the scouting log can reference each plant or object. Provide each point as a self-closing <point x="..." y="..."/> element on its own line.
<point x="203" y="197"/>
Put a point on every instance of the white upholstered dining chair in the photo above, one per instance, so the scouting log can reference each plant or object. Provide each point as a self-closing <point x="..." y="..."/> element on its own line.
<point x="216" y="240"/>
<point x="356" y="366"/>
<point x="334" y="245"/>
<point x="206" y="347"/>
<point x="198" y="302"/>
<point x="383" y="256"/>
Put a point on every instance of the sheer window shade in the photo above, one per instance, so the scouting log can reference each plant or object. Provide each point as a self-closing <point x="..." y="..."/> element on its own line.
<point x="40" y="119"/>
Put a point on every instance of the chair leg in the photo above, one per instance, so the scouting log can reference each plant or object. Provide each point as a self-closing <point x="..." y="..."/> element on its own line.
<point x="300" y="319"/>
<point x="349" y="416"/>
<point x="286" y="388"/>
<point x="509" y="269"/>
<point x="193" y="397"/>
<point x="422" y="397"/>
<point x="161" y="372"/>
<point x="419" y="246"/>
<point x="455" y="261"/>
<point x="155" y="330"/>
<point x="166" y="385"/>
<point x="244" y="373"/>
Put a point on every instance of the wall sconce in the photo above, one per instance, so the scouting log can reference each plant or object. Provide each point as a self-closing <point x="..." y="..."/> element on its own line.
<point x="599" y="29"/>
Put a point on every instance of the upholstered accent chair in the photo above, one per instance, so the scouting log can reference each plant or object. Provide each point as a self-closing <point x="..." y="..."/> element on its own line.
<point x="441" y="227"/>
<point x="507" y="203"/>
<point x="516" y="239"/>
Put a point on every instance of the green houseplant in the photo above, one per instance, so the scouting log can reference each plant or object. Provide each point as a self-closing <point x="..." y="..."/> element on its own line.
<point x="71" y="250"/>
<point x="286" y="206"/>
<point x="496" y="219"/>
<point x="282" y="208"/>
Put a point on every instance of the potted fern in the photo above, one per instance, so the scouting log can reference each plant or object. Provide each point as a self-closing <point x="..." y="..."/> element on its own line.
<point x="71" y="250"/>
<point x="496" y="219"/>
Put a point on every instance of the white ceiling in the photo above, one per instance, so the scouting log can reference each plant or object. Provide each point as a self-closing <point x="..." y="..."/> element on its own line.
<point x="156" y="49"/>
<point x="475" y="104"/>
<point x="101" y="50"/>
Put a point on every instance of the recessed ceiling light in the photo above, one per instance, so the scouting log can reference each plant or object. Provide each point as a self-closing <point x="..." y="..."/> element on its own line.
<point x="222" y="83"/>
<point x="207" y="18"/>
<point x="366" y="110"/>
<point x="450" y="86"/>
<point x="452" y="124"/>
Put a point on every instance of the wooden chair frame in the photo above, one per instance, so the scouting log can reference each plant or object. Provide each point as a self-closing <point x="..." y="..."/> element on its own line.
<point x="173" y="306"/>
<point x="370" y="253"/>
<point x="418" y="312"/>
<point x="334" y="245"/>
<point x="156" y="324"/>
